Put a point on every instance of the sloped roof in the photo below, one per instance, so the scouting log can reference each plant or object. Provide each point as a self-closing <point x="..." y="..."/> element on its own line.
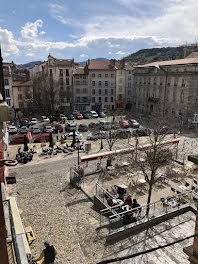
<point x="171" y="62"/>
<point x="79" y="70"/>
<point x="100" y="65"/>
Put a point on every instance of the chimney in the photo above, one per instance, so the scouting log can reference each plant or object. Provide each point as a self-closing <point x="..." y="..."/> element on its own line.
<point x="88" y="62"/>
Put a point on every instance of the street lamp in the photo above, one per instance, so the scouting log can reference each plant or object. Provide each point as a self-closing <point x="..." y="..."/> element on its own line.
<point x="78" y="148"/>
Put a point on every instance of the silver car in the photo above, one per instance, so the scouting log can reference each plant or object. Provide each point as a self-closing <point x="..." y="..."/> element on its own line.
<point x="23" y="130"/>
<point x="48" y="129"/>
<point x="95" y="135"/>
<point x="12" y="130"/>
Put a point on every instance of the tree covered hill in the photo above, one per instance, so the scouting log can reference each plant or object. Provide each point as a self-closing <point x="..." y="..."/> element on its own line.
<point x="160" y="54"/>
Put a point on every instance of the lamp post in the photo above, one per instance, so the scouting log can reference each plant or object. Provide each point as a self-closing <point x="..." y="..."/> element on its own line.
<point x="78" y="148"/>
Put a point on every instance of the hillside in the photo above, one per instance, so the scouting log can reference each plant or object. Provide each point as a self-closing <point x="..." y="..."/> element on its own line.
<point x="28" y="65"/>
<point x="160" y="54"/>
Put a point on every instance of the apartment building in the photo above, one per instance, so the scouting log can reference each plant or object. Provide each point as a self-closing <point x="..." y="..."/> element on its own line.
<point x="168" y="88"/>
<point x="55" y="78"/>
<point x="128" y="85"/>
<point x="120" y="85"/>
<point x="81" y="89"/>
<point x="102" y="82"/>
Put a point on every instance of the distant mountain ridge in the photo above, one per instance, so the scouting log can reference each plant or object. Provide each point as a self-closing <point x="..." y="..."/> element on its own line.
<point x="28" y="65"/>
<point x="160" y="54"/>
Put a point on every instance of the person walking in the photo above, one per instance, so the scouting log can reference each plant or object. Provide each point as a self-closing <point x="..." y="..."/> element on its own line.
<point x="48" y="254"/>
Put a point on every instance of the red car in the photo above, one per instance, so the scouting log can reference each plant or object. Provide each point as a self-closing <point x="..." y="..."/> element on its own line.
<point x="124" y="124"/>
<point x="19" y="139"/>
<point x="79" y="116"/>
<point x="25" y="118"/>
<point x="42" y="138"/>
<point x="57" y="128"/>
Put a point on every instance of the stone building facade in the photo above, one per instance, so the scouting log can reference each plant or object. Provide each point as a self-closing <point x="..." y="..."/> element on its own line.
<point x="120" y="85"/>
<point x="102" y="81"/>
<point x="167" y="88"/>
<point x="128" y="85"/>
<point x="81" y="89"/>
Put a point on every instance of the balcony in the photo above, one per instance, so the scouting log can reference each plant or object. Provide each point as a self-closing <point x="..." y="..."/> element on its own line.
<point x="153" y="99"/>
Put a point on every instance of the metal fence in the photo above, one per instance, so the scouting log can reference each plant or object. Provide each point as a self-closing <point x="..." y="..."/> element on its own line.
<point x="118" y="215"/>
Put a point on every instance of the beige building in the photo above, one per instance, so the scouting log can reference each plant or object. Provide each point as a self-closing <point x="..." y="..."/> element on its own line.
<point x="56" y="79"/>
<point x="169" y="88"/>
<point x="102" y="81"/>
<point x="81" y="91"/>
<point x="22" y="95"/>
<point x="128" y="85"/>
<point x="120" y="85"/>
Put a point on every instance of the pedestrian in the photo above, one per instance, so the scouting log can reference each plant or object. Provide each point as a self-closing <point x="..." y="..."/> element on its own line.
<point x="48" y="254"/>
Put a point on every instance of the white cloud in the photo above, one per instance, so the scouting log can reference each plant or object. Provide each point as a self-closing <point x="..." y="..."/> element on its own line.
<point x="73" y="36"/>
<point x="42" y="33"/>
<point x="8" y="44"/>
<point x="30" y="30"/>
<point x="120" y="52"/>
<point x="59" y="13"/>
<point x="84" y="56"/>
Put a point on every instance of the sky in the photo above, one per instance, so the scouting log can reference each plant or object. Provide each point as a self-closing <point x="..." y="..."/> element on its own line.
<point x="82" y="29"/>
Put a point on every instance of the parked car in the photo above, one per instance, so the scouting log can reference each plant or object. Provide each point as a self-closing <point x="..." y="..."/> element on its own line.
<point x="75" y="112"/>
<point x="47" y="129"/>
<point x="70" y="127"/>
<point x="42" y="138"/>
<point x="70" y="117"/>
<point x="34" y="121"/>
<point x="35" y="130"/>
<point x="23" y="130"/>
<point x="122" y="133"/>
<point x="133" y="123"/>
<point x="140" y="132"/>
<point x="105" y="125"/>
<point x="79" y="116"/>
<point x="62" y="117"/>
<point x="83" y="128"/>
<point x="23" y="122"/>
<point x="45" y="119"/>
<point x="25" y="118"/>
<point x="18" y="139"/>
<point x="124" y="124"/>
<point x="58" y="127"/>
<point x="77" y="135"/>
<point x="86" y="115"/>
<point x="95" y="135"/>
<point x="101" y="114"/>
<point x="93" y="114"/>
<point x="12" y="130"/>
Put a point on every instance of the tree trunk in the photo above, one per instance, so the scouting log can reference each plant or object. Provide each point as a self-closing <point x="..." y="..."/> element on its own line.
<point x="149" y="198"/>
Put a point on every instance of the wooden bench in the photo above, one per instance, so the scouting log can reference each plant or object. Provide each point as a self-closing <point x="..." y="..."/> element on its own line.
<point x="30" y="234"/>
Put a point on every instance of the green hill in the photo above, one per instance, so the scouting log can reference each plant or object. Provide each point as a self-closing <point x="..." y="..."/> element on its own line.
<point x="160" y="54"/>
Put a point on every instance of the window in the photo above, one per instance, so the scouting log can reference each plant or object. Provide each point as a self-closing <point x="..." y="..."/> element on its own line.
<point x="112" y="75"/>
<point x="161" y="81"/>
<point x="84" y="90"/>
<point x="21" y="105"/>
<point x="106" y="75"/>
<point x="99" y="91"/>
<point x="8" y="102"/>
<point x="6" y="82"/>
<point x="129" y="78"/>
<point x="119" y="97"/>
<point x="77" y="77"/>
<point x="93" y="99"/>
<point x="183" y="83"/>
<point x="20" y="96"/>
<point x="93" y="75"/>
<point x="176" y="81"/>
<point x="182" y="97"/>
<point x="67" y="72"/>
<point x="78" y="90"/>
<point x="174" y="95"/>
<point x="106" y="99"/>
<point x="84" y="77"/>
<point x="120" y="72"/>
<point x="93" y="83"/>
<point x="62" y="100"/>
<point x="99" y="99"/>
<point x="78" y="99"/>
<point x="7" y="92"/>
<point x="120" y="80"/>
<point x="50" y="72"/>
<point x="111" y="91"/>
<point x="67" y="81"/>
<point x="77" y="82"/>
<point x="61" y="72"/>
<point x="84" y="99"/>
<point x="84" y="82"/>
<point x="106" y="91"/>
<point x="61" y="88"/>
<point x="93" y="91"/>
<point x="19" y="89"/>
<point x="99" y="75"/>
<point x="120" y="88"/>
<point x="99" y="83"/>
<point x="106" y="83"/>
<point x="111" y="99"/>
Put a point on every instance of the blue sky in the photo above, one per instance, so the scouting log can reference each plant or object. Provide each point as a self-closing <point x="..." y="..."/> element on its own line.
<point x="82" y="29"/>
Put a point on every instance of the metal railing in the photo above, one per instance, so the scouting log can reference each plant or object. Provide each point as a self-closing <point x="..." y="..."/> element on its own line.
<point x="117" y="215"/>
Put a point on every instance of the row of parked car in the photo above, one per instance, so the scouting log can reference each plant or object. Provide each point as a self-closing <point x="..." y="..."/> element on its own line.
<point x="91" y="114"/>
